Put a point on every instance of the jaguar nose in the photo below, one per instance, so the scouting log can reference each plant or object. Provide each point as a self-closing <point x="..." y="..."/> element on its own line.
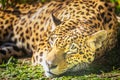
<point x="51" y="65"/>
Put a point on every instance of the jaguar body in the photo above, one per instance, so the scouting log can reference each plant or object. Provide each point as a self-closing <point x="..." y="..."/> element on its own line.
<point x="60" y="36"/>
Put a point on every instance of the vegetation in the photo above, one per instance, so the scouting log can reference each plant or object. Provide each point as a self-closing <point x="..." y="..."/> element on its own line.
<point x="117" y="2"/>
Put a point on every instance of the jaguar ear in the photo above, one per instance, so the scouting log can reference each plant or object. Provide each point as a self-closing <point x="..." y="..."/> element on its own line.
<point x="96" y="39"/>
<point x="56" y="20"/>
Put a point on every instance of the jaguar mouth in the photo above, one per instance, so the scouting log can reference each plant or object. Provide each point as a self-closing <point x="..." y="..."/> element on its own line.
<point x="50" y="74"/>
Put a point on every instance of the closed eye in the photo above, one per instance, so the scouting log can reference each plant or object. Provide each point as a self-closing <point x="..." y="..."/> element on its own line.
<point x="73" y="48"/>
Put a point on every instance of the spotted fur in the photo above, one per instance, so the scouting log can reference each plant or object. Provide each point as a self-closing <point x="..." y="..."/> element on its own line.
<point x="62" y="36"/>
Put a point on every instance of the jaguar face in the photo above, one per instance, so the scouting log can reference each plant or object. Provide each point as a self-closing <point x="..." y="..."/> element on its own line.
<point x="72" y="51"/>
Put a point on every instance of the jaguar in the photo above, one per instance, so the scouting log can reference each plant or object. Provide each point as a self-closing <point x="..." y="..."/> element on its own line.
<point x="61" y="36"/>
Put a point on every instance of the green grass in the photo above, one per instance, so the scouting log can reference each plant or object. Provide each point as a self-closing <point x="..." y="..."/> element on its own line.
<point x="18" y="70"/>
<point x="22" y="70"/>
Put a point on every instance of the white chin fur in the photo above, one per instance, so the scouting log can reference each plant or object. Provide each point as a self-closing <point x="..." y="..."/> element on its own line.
<point x="48" y="75"/>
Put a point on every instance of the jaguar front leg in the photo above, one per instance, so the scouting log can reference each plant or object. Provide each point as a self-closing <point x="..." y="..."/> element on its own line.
<point x="9" y="49"/>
